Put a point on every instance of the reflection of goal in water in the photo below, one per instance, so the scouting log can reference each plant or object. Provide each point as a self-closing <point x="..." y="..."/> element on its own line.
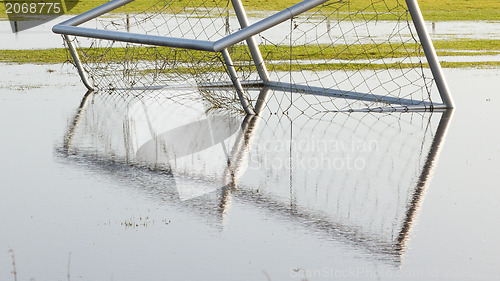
<point x="167" y="78"/>
<point x="322" y="54"/>
<point x="354" y="177"/>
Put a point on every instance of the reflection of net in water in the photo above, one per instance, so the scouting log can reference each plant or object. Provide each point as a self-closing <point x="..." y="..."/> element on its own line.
<point x="331" y="58"/>
<point x="355" y="177"/>
<point x="355" y="173"/>
<point x="174" y="131"/>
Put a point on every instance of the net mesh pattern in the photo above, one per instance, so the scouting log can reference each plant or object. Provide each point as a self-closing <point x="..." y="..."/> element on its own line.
<point x="348" y="175"/>
<point x="339" y="56"/>
<point x="359" y="169"/>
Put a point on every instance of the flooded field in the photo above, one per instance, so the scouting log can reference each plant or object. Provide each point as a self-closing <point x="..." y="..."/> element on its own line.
<point x="103" y="187"/>
<point x="41" y="36"/>
<point x="167" y="184"/>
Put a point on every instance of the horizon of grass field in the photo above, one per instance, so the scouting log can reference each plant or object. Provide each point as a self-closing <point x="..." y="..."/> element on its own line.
<point x="460" y="47"/>
<point x="452" y="48"/>
<point x="443" y="10"/>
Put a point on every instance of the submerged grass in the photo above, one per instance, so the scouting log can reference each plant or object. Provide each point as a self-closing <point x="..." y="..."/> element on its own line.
<point x="431" y="9"/>
<point x="462" y="47"/>
<point x="58" y="55"/>
<point x="326" y="66"/>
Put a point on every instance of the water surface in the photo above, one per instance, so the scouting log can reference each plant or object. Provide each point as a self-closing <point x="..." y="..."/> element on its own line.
<point x="104" y="184"/>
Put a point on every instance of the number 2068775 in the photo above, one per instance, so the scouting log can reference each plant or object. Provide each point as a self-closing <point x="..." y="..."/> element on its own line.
<point x="33" y="8"/>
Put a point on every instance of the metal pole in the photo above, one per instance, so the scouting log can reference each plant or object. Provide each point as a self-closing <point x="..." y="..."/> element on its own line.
<point x="425" y="176"/>
<point x="252" y="44"/>
<point x="266" y="23"/>
<point x="261" y="100"/>
<point x="78" y="63"/>
<point x="155" y="40"/>
<point x="236" y="82"/>
<point x="430" y="52"/>
<point x="68" y="139"/>
<point x="239" y="153"/>
<point x="70" y="27"/>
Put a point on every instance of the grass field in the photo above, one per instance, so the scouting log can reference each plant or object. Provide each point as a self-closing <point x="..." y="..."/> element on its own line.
<point x="436" y="10"/>
<point x="433" y="10"/>
<point x="462" y="47"/>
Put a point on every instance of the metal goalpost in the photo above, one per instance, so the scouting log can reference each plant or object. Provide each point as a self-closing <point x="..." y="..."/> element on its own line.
<point x="247" y="33"/>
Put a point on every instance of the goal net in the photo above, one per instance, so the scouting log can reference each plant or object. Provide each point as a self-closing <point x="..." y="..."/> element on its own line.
<point x="358" y="178"/>
<point x="344" y="55"/>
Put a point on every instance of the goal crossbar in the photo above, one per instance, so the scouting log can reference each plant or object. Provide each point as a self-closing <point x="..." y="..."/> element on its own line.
<point x="70" y="27"/>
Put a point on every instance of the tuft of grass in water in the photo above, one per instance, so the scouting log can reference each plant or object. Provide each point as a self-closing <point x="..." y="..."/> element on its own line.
<point x="50" y="56"/>
<point x="342" y="66"/>
<point x="483" y="45"/>
<point x="14" y="270"/>
<point x="480" y="64"/>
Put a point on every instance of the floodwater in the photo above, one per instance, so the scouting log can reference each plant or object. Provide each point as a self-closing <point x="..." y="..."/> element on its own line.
<point x="41" y="36"/>
<point x="146" y="187"/>
<point x="157" y="185"/>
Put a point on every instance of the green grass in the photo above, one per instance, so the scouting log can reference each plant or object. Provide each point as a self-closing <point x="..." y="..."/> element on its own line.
<point x="34" y="56"/>
<point x="432" y="9"/>
<point x="481" y="64"/>
<point x="329" y="67"/>
<point x="483" y="45"/>
<point x="336" y="66"/>
<point x="436" y="10"/>
<point x="463" y="47"/>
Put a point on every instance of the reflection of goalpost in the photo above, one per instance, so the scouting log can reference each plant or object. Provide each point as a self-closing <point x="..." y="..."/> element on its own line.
<point x="322" y="50"/>
<point x="284" y="165"/>
<point x="317" y="55"/>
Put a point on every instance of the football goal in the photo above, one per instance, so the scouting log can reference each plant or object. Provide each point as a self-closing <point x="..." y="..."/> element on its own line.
<point x="328" y="55"/>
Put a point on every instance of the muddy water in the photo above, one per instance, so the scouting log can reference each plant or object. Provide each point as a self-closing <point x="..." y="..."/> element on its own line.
<point x="102" y="187"/>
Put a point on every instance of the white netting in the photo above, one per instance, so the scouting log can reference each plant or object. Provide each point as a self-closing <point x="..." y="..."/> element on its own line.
<point x="339" y="56"/>
<point x="349" y="176"/>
